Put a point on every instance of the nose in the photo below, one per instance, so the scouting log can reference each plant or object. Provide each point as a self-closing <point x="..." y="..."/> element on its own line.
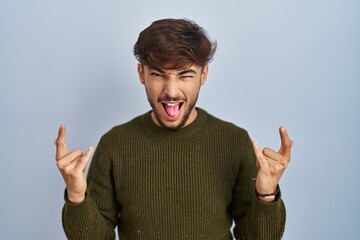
<point x="171" y="86"/>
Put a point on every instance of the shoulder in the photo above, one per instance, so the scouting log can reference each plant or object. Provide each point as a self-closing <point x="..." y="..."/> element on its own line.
<point x="125" y="131"/>
<point x="225" y="127"/>
<point x="228" y="137"/>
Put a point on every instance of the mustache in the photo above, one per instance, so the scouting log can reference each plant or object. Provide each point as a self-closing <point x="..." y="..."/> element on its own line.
<point x="168" y="98"/>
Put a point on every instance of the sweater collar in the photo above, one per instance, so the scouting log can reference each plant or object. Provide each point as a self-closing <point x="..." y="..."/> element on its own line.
<point x="193" y="128"/>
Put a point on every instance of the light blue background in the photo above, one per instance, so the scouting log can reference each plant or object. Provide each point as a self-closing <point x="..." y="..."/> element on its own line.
<point x="295" y="63"/>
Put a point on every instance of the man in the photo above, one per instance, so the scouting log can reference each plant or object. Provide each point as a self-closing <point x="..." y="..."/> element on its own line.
<point x="175" y="172"/>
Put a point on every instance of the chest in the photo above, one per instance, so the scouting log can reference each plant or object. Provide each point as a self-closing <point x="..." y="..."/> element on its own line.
<point x="179" y="171"/>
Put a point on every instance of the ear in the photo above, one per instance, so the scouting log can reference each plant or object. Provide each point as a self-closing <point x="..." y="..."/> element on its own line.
<point x="140" y="69"/>
<point x="204" y="74"/>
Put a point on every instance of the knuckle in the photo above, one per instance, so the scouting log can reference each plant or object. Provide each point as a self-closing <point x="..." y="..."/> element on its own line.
<point x="67" y="171"/>
<point x="284" y="163"/>
<point x="73" y="175"/>
<point x="60" y="165"/>
<point x="78" y="151"/>
<point x="277" y="169"/>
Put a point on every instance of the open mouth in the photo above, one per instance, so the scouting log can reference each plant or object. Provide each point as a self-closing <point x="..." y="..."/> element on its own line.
<point x="172" y="109"/>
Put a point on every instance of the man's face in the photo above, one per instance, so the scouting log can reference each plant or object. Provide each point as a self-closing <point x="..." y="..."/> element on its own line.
<point x="172" y="94"/>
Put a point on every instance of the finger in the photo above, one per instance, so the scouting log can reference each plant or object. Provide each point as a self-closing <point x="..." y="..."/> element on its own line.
<point x="272" y="155"/>
<point x="69" y="169"/>
<point x="70" y="157"/>
<point x="260" y="158"/>
<point x="286" y="143"/>
<point x="60" y="142"/>
<point x="81" y="165"/>
<point x="275" y="159"/>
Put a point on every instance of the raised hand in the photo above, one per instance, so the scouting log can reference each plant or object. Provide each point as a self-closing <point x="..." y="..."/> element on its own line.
<point x="271" y="165"/>
<point x="72" y="166"/>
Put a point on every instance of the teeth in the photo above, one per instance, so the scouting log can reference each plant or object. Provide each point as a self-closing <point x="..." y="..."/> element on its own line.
<point x="171" y="104"/>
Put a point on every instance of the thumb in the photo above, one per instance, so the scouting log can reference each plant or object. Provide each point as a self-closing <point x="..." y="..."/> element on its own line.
<point x="286" y="143"/>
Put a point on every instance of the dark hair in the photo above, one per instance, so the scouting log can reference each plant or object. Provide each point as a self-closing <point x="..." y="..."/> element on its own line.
<point x="173" y="44"/>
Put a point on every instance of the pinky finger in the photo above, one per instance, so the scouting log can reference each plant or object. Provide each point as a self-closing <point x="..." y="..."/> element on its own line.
<point x="81" y="165"/>
<point x="260" y="158"/>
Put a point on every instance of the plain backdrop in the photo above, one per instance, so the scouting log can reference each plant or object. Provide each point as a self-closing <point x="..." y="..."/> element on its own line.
<point x="295" y="63"/>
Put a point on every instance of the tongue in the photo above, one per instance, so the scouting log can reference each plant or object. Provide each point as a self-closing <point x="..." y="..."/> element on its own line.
<point x="172" y="111"/>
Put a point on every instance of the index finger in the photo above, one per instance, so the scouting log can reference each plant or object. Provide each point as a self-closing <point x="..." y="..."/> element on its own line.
<point x="286" y="143"/>
<point x="60" y="142"/>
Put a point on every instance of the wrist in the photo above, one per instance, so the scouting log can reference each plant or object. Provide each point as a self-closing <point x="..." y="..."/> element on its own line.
<point x="268" y="197"/>
<point x="75" y="198"/>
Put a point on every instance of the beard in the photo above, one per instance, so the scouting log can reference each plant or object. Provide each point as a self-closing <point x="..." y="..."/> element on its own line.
<point x="187" y="111"/>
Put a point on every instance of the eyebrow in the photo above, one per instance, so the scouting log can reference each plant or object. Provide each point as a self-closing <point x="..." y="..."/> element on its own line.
<point x="186" y="72"/>
<point x="179" y="74"/>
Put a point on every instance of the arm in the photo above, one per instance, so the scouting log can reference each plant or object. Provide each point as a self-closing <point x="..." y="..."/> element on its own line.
<point x="92" y="212"/>
<point x="258" y="218"/>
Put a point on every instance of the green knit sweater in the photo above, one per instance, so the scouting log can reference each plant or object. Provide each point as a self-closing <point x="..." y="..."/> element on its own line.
<point x="188" y="184"/>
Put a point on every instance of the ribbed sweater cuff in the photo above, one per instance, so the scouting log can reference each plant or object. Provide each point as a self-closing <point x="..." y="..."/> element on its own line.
<point x="267" y="208"/>
<point x="77" y="209"/>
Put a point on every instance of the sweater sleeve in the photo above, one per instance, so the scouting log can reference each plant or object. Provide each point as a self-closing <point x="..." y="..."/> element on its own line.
<point x="253" y="218"/>
<point x="96" y="216"/>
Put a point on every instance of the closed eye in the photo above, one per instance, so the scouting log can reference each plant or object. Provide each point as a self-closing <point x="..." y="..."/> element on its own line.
<point x="186" y="76"/>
